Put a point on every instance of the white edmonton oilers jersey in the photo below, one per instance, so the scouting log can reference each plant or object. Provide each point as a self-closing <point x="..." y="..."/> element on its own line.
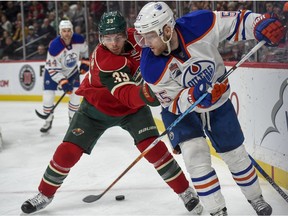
<point x="199" y="34"/>
<point x="62" y="60"/>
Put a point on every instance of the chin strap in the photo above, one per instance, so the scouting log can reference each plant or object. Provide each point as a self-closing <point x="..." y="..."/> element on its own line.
<point x="166" y="53"/>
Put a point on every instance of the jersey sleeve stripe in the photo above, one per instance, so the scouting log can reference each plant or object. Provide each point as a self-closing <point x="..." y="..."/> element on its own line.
<point x="244" y="21"/>
<point x="235" y="29"/>
<point x="238" y="28"/>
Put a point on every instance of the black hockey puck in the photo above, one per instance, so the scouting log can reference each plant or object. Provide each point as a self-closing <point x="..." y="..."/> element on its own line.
<point x="120" y="197"/>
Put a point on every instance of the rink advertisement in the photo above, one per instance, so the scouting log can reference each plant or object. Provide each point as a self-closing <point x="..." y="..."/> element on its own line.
<point x="23" y="78"/>
<point x="23" y="81"/>
<point x="260" y="97"/>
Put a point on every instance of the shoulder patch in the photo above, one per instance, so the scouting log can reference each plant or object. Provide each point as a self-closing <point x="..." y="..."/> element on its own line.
<point x="56" y="46"/>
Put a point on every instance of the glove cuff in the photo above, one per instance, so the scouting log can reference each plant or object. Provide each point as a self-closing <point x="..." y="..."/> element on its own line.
<point x="148" y="96"/>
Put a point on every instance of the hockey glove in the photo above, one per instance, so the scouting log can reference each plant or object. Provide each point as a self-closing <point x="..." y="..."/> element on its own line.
<point x="148" y="96"/>
<point x="84" y="66"/>
<point x="268" y="27"/>
<point x="66" y="86"/>
<point x="218" y="90"/>
<point x="137" y="77"/>
<point x="197" y="91"/>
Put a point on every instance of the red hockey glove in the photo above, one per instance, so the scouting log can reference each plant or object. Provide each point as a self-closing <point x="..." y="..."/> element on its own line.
<point x="268" y="27"/>
<point x="84" y="66"/>
<point x="66" y="86"/>
<point x="218" y="90"/>
<point x="148" y="96"/>
<point x="211" y="98"/>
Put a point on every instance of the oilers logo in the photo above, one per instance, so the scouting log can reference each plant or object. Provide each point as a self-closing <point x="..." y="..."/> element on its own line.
<point x="171" y="135"/>
<point x="158" y="6"/>
<point x="201" y="70"/>
<point x="70" y="60"/>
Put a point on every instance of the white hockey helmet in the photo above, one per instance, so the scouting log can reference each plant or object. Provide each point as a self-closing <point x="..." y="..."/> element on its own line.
<point x="65" y="24"/>
<point x="153" y="17"/>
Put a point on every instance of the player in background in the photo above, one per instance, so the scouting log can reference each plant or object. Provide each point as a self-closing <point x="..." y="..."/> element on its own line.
<point x="180" y="62"/>
<point x="111" y="97"/>
<point x="61" y="70"/>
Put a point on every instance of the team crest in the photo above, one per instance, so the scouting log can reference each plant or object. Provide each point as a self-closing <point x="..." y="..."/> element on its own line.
<point x="77" y="131"/>
<point x="171" y="136"/>
<point x="70" y="60"/>
<point x="158" y="6"/>
<point x="201" y="70"/>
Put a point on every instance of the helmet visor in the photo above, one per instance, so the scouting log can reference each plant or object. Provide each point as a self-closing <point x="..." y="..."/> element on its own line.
<point x="146" y="39"/>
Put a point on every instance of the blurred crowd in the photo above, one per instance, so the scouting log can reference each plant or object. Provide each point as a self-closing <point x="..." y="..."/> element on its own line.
<point x="40" y="21"/>
<point x="40" y="25"/>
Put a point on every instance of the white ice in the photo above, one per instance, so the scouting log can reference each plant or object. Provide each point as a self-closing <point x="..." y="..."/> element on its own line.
<point x="26" y="153"/>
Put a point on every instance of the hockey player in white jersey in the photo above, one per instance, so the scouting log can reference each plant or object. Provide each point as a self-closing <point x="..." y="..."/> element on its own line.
<point x="179" y="62"/>
<point x="61" y="70"/>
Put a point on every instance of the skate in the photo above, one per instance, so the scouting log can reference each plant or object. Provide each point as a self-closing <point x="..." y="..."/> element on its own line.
<point x="36" y="203"/>
<point x="261" y="206"/>
<point x="191" y="201"/>
<point x="48" y="124"/>
<point x="222" y="212"/>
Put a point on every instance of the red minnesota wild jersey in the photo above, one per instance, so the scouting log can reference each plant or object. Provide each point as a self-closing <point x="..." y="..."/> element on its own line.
<point x="108" y="74"/>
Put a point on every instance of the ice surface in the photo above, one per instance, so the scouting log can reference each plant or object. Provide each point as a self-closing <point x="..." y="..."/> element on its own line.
<point x="26" y="153"/>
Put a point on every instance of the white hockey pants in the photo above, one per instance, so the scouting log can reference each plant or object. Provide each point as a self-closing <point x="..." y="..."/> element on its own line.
<point x="48" y="102"/>
<point x="243" y="172"/>
<point x="197" y="158"/>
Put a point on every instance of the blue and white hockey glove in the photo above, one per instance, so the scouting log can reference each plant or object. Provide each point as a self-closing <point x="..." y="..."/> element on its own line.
<point x="84" y="66"/>
<point x="268" y="27"/>
<point x="197" y="91"/>
<point x="66" y="86"/>
<point x="211" y="98"/>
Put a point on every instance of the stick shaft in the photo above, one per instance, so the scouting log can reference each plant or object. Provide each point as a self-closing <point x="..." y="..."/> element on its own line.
<point x="59" y="100"/>
<point x="269" y="179"/>
<point x="247" y="56"/>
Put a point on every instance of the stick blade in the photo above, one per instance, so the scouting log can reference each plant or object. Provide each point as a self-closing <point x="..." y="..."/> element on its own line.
<point x="41" y="115"/>
<point x="91" y="198"/>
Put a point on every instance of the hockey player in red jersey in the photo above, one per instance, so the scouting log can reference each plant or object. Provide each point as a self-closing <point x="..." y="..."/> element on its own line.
<point x="111" y="97"/>
<point x="179" y="63"/>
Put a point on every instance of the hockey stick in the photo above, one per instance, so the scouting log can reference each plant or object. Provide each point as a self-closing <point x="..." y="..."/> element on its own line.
<point x="93" y="198"/>
<point x="269" y="179"/>
<point x="45" y="116"/>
